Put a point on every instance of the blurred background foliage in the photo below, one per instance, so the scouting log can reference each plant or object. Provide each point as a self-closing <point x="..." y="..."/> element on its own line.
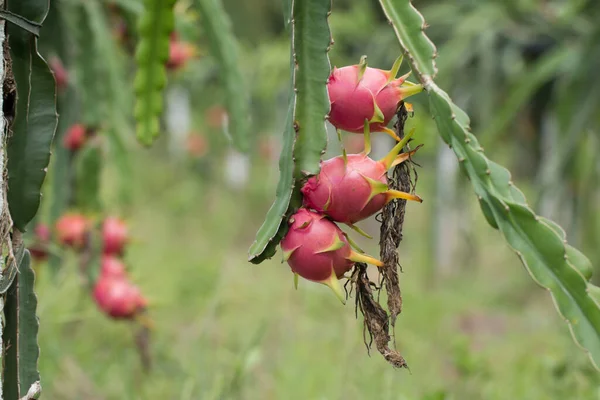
<point x="473" y="325"/>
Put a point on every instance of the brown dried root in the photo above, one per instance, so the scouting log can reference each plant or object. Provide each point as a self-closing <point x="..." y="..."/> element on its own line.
<point x="376" y="318"/>
<point x="377" y="321"/>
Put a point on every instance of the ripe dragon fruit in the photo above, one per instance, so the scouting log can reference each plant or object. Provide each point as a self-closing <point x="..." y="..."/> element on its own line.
<point x="117" y="297"/>
<point x="72" y="230"/>
<point x="112" y="267"/>
<point x="75" y="137"/>
<point x="39" y="249"/>
<point x="114" y="235"/>
<point x="180" y="53"/>
<point x="358" y="93"/>
<point x="317" y="249"/>
<point x="352" y="187"/>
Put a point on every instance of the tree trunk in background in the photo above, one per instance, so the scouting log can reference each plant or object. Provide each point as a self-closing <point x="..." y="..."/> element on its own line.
<point x="445" y="224"/>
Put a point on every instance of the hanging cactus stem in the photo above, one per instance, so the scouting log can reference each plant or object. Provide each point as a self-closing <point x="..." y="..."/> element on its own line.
<point x="357" y="257"/>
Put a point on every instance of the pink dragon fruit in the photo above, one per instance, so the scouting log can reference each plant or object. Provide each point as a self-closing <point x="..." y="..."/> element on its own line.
<point x="351" y="188"/>
<point x="117" y="297"/>
<point x="317" y="249"/>
<point x="114" y="235"/>
<point x="112" y="267"/>
<point x="359" y="93"/>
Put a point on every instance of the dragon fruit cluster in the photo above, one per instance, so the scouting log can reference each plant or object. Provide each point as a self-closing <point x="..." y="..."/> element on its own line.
<point x="350" y="187"/>
<point x="113" y="292"/>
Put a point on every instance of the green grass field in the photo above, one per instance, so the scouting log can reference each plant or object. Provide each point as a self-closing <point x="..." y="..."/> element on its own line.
<point x="226" y="329"/>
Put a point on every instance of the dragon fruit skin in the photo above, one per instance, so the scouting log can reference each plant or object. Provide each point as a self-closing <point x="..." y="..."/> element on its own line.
<point x="317" y="249"/>
<point x="75" y="137"/>
<point x="118" y="297"/>
<point x="72" y="230"/>
<point x="351" y="188"/>
<point x="115" y="235"/>
<point x="111" y="266"/>
<point x="358" y="93"/>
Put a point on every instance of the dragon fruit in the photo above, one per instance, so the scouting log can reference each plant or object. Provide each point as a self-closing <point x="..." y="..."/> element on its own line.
<point x="352" y="187"/>
<point x="72" y="230"/>
<point x="180" y="53"/>
<point x="317" y="249"/>
<point x="114" y="235"/>
<point x="112" y="267"/>
<point x="39" y="249"/>
<point x="117" y="297"/>
<point x="75" y="137"/>
<point x="61" y="76"/>
<point x="359" y="93"/>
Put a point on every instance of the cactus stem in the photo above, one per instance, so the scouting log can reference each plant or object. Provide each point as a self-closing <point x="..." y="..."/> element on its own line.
<point x="357" y="257"/>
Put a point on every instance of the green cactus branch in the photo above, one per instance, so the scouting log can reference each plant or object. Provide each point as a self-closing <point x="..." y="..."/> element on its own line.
<point x="538" y="242"/>
<point x="152" y="52"/>
<point x="305" y="134"/>
<point x="35" y="118"/>
<point x="223" y="45"/>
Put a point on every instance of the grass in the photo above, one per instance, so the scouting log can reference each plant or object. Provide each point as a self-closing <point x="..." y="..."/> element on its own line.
<point x="226" y="329"/>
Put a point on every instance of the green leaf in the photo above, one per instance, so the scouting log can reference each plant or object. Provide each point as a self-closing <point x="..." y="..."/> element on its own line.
<point x="223" y="45"/>
<point x="308" y="108"/>
<point x="35" y="121"/>
<point x="152" y="52"/>
<point x="539" y="243"/>
<point x="20" y="333"/>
